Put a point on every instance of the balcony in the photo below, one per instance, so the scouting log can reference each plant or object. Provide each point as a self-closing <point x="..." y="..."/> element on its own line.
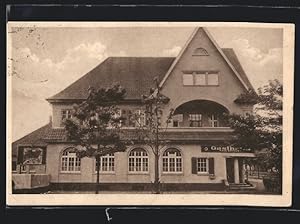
<point x="201" y="115"/>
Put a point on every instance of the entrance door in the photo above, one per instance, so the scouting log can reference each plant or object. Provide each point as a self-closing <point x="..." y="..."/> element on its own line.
<point x="230" y="170"/>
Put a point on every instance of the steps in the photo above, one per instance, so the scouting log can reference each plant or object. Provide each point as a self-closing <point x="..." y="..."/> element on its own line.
<point x="241" y="187"/>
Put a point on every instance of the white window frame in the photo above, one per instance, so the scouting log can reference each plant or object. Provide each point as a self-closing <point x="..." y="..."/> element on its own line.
<point x="184" y="81"/>
<point x="143" y="159"/>
<point x="211" y="74"/>
<point x="212" y="119"/>
<point x="206" y="75"/>
<point x="68" y="157"/>
<point x="141" y="118"/>
<point x="110" y="165"/>
<point x="200" y="74"/>
<point x="166" y="159"/>
<point x="200" y="161"/>
<point x="192" y="119"/>
<point x="68" y="114"/>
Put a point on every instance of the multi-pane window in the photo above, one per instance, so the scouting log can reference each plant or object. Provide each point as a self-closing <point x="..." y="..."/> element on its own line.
<point x="201" y="79"/>
<point x="107" y="163"/>
<point x="188" y="79"/>
<point x="133" y="118"/>
<point x="138" y="161"/>
<point x="130" y="119"/>
<point x="70" y="162"/>
<point x="177" y="118"/>
<point x="202" y="165"/>
<point x="66" y="114"/>
<point x="213" y="120"/>
<point x="172" y="161"/>
<point x="195" y="120"/>
<point x="212" y="79"/>
<point x="140" y="118"/>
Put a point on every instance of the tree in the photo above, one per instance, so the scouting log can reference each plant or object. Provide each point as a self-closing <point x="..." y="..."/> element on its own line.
<point x="262" y="130"/>
<point x="95" y="125"/>
<point x="152" y="133"/>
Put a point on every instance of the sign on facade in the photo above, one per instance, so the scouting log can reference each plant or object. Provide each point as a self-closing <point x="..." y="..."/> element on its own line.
<point x="225" y="149"/>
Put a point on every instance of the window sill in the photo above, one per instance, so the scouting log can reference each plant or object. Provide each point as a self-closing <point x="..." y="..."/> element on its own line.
<point x="70" y="172"/>
<point x="203" y="174"/>
<point x="172" y="173"/>
<point x="138" y="173"/>
<point x="106" y="173"/>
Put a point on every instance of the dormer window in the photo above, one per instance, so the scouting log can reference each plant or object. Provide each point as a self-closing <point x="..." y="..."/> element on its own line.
<point x="200" y="52"/>
<point x="65" y="114"/>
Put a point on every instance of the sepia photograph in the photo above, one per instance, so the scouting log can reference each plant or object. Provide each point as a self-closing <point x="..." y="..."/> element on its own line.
<point x="149" y="113"/>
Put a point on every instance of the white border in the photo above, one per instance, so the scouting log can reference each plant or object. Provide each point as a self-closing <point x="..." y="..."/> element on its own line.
<point x="170" y="199"/>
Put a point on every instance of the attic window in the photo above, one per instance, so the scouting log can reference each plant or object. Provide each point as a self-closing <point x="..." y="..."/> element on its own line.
<point x="200" y="52"/>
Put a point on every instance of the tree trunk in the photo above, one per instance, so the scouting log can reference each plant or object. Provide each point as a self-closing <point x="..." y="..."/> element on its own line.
<point x="98" y="173"/>
<point x="156" y="176"/>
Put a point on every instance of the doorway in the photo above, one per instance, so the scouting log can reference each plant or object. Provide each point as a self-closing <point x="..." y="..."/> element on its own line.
<point x="230" y="170"/>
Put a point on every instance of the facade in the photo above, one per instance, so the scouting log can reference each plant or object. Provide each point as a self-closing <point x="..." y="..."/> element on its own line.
<point x="201" y="84"/>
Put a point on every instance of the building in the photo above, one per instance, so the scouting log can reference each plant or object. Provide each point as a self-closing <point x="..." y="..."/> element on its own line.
<point x="201" y="83"/>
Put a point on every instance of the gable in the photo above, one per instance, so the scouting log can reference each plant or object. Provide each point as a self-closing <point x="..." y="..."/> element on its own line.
<point x="200" y="38"/>
<point x="201" y="58"/>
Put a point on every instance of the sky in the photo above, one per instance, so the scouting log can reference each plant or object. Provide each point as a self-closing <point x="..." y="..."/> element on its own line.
<point x="45" y="60"/>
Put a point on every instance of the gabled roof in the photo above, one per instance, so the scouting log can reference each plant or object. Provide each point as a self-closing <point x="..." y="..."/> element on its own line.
<point x="135" y="74"/>
<point x="230" y="54"/>
<point x="35" y="138"/>
<point x="228" y="61"/>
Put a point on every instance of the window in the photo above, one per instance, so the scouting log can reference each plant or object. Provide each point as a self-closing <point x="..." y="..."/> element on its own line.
<point x="200" y="52"/>
<point x="212" y="79"/>
<point x="107" y="163"/>
<point x="172" y="161"/>
<point x="202" y="165"/>
<point x="69" y="161"/>
<point x="133" y="118"/>
<point x="117" y="119"/>
<point x="188" y="79"/>
<point x="138" y="161"/>
<point x="177" y="118"/>
<point x="195" y="120"/>
<point x="213" y="120"/>
<point x="140" y="118"/>
<point x="130" y="119"/>
<point x="66" y="114"/>
<point x="200" y="79"/>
